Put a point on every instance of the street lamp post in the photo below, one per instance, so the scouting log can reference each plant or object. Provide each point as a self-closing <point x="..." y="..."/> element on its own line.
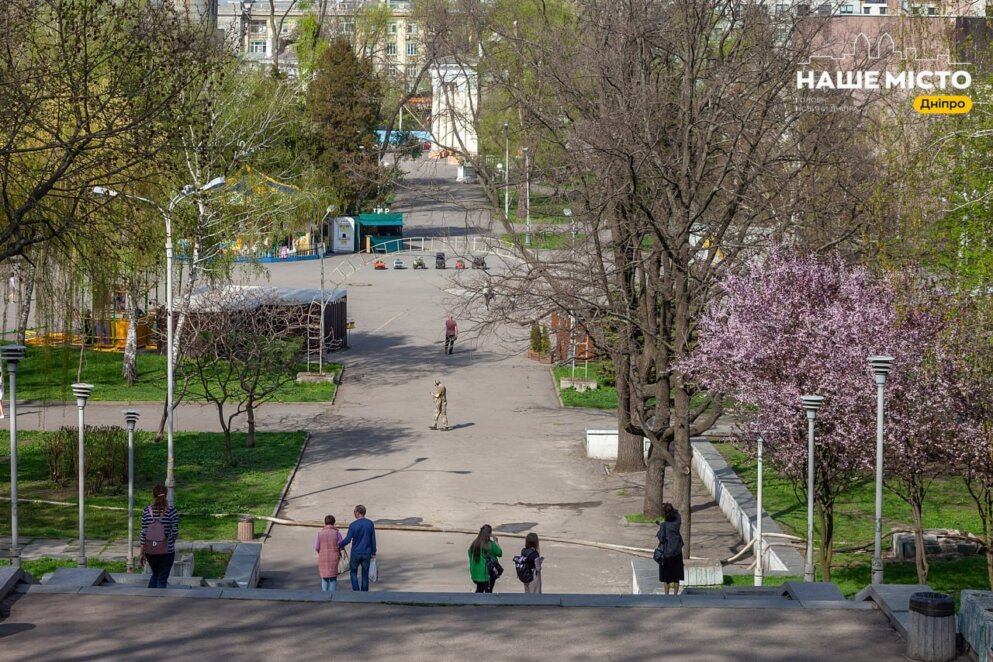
<point x="527" y="196"/>
<point x="187" y="191"/>
<point x="880" y="366"/>
<point x="82" y="392"/>
<point x="13" y="354"/>
<point x="320" y="352"/>
<point x="131" y="418"/>
<point x="759" y="550"/>
<point x="506" y="173"/>
<point x="811" y="403"/>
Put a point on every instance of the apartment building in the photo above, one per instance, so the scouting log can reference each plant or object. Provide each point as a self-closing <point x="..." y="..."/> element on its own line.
<point x="258" y="31"/>
<point x="842" y="8"/>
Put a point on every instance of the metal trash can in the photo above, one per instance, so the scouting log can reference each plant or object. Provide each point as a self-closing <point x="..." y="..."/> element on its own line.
<point x="439" y="260"/>
<point x="931" y="635"/>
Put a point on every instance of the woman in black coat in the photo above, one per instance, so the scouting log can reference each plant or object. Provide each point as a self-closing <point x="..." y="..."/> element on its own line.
<point x="671" y="544"/>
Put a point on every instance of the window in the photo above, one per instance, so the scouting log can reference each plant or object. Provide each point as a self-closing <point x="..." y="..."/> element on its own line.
<point x="257" y="47"/>
<point x="392" y="28"/>
<point x="737" y="12"/>
<point x="412" y="28"/>
<point x="781" y="9"/>
<point x="411" y="72"/>
<point x="824" y="10"/>
<point x="259" y="27"/>
<point x="412" y="49"/>
<point x="347" y="27"/>
<point x="391" y="48"/>
<point x="867" y="10"/>
<point x="931" y="11"/>
<point x="847" y="9"/>
<point x="882" y="11"/>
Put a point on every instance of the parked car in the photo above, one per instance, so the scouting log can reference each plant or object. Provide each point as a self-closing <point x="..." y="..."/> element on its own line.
<point x="379" y="264"/>
<point x="419" y="263"/>
<point x="459" y="264"/>
<point x="478" y="262"/>
<point x="398" y="264"/>
<point x="439" y="260"/>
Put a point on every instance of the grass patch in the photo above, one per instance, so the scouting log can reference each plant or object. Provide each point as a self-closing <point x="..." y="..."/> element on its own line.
<point x="638" y="518"/>
<point x="948" y="506"/>
<point x="204" y="486"/>
<point x="602" y="397"/>
<point x="546" y="240"/>
<point x="205" y="564"/>
<point x="48" y="372"/>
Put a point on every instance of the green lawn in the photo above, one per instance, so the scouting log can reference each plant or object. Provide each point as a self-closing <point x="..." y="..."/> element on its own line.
<point x="544" y="209"/>
<point x="47" y="373"/>
<point x="204" y="486"/>
<point x="546" y="240"/>
<point x="208" y="564"/>
<point x="602" y="397"/>
<point x="948" y="506"/>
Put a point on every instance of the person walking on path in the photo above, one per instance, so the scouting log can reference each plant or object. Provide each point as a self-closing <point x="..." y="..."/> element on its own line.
<point x="484" y="569"/>
<point x="328" y="548"/>
<point x="531" y="558"/>
<point x="440" y="397"/>
<point x="671" y="544"/>
<point x="451" y="333"/>
<point x="159" y="531"/>
<point x="362" y="536"/>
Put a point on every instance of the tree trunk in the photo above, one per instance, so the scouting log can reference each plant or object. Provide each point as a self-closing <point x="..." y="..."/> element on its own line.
<point x="682" y="477"/>
<point x="250" y="436"/>
<point x="162" y="422"/>
<point x="988" y="540"/>
<point x="226" y="427"/>
<point x="630" y="448"/>
<point x="24" y="306"/>
<point x="654" y="481"/>
<point x="825" y="513"/>
<point x="920" y="554"/>
<point x="129" y="370"/>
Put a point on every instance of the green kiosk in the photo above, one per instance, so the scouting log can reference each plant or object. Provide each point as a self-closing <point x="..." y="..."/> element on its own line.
<point x="379" y="233"/>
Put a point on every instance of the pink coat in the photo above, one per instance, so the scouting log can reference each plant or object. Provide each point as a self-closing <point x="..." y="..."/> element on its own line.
<point x="328" y="552"/>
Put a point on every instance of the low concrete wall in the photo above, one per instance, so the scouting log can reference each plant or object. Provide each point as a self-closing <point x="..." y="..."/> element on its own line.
<point x="976" y="623"/>
<point x="602" y="444"/>
<point x="738" y="505"/>
<point x="245" y="565"/>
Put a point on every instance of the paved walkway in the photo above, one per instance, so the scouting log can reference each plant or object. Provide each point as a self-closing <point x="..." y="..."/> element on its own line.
<point x="514" y="458"/>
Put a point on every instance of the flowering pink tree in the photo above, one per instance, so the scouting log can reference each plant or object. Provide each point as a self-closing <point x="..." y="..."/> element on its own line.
<point x="798" y="325"/>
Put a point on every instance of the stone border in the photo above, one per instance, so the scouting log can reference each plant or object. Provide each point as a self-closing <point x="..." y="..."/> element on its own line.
<point x="738" y="505"/>
<point x="245" y="566"/>
<point x="976" y="623"/>
<point x="286" y="487"/>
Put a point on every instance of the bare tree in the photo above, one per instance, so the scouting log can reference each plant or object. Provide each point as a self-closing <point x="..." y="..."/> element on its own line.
<point x="241" y="353"/>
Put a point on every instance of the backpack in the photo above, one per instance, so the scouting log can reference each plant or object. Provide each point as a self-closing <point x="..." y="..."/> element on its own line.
<point x="524" y="564"/>
<point x="155" y="537"/>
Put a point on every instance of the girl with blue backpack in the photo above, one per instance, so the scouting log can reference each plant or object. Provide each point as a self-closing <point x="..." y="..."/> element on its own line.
<point x="528" y="564"/>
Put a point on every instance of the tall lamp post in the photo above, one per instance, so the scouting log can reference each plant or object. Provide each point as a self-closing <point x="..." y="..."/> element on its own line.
<point x="13" y="354"/>
<point x="506" y="172"/>
<point x="82" y="393"/>
<point x="187" y="191"/>
<point x="131" y="418"/>
<point x="811" y="403"/>
<point x="320" y="352"/>
<point x="759" y="542"/>
<point x="527" y="196"/>
<point x="880" y="366"/>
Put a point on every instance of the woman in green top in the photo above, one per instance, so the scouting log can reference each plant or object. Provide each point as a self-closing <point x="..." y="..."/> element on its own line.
<point x="482" y="551"/>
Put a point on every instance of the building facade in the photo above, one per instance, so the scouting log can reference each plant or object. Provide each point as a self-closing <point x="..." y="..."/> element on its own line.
<point x="391" y="38"/>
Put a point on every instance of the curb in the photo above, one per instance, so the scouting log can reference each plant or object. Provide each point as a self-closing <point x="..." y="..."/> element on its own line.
<point x="555" y="386"/>
<point x="286" y="487"/>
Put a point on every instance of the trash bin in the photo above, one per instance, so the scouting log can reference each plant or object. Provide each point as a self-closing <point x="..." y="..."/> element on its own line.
<point x="246" y="529"/>
<point x="439" y="260"/>
<point x="931" y="632"/>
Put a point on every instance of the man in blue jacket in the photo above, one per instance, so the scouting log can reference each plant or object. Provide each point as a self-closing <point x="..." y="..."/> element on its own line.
<point x="362" y="535"/>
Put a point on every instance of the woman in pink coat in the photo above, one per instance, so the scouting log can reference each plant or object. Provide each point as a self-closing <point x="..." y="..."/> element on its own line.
<point x="328" y="554"/>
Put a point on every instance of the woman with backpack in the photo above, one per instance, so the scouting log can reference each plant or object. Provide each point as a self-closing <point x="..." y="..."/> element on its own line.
<point x="328" y="547"/>
<point x="484" y="568"/>
<point x="528" y="564"/>
<point x="671" y="549"/>
<point x="159" y="530"/>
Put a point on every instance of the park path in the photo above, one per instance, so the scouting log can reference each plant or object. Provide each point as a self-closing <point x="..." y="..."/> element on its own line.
<point x="514" y="458"/>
